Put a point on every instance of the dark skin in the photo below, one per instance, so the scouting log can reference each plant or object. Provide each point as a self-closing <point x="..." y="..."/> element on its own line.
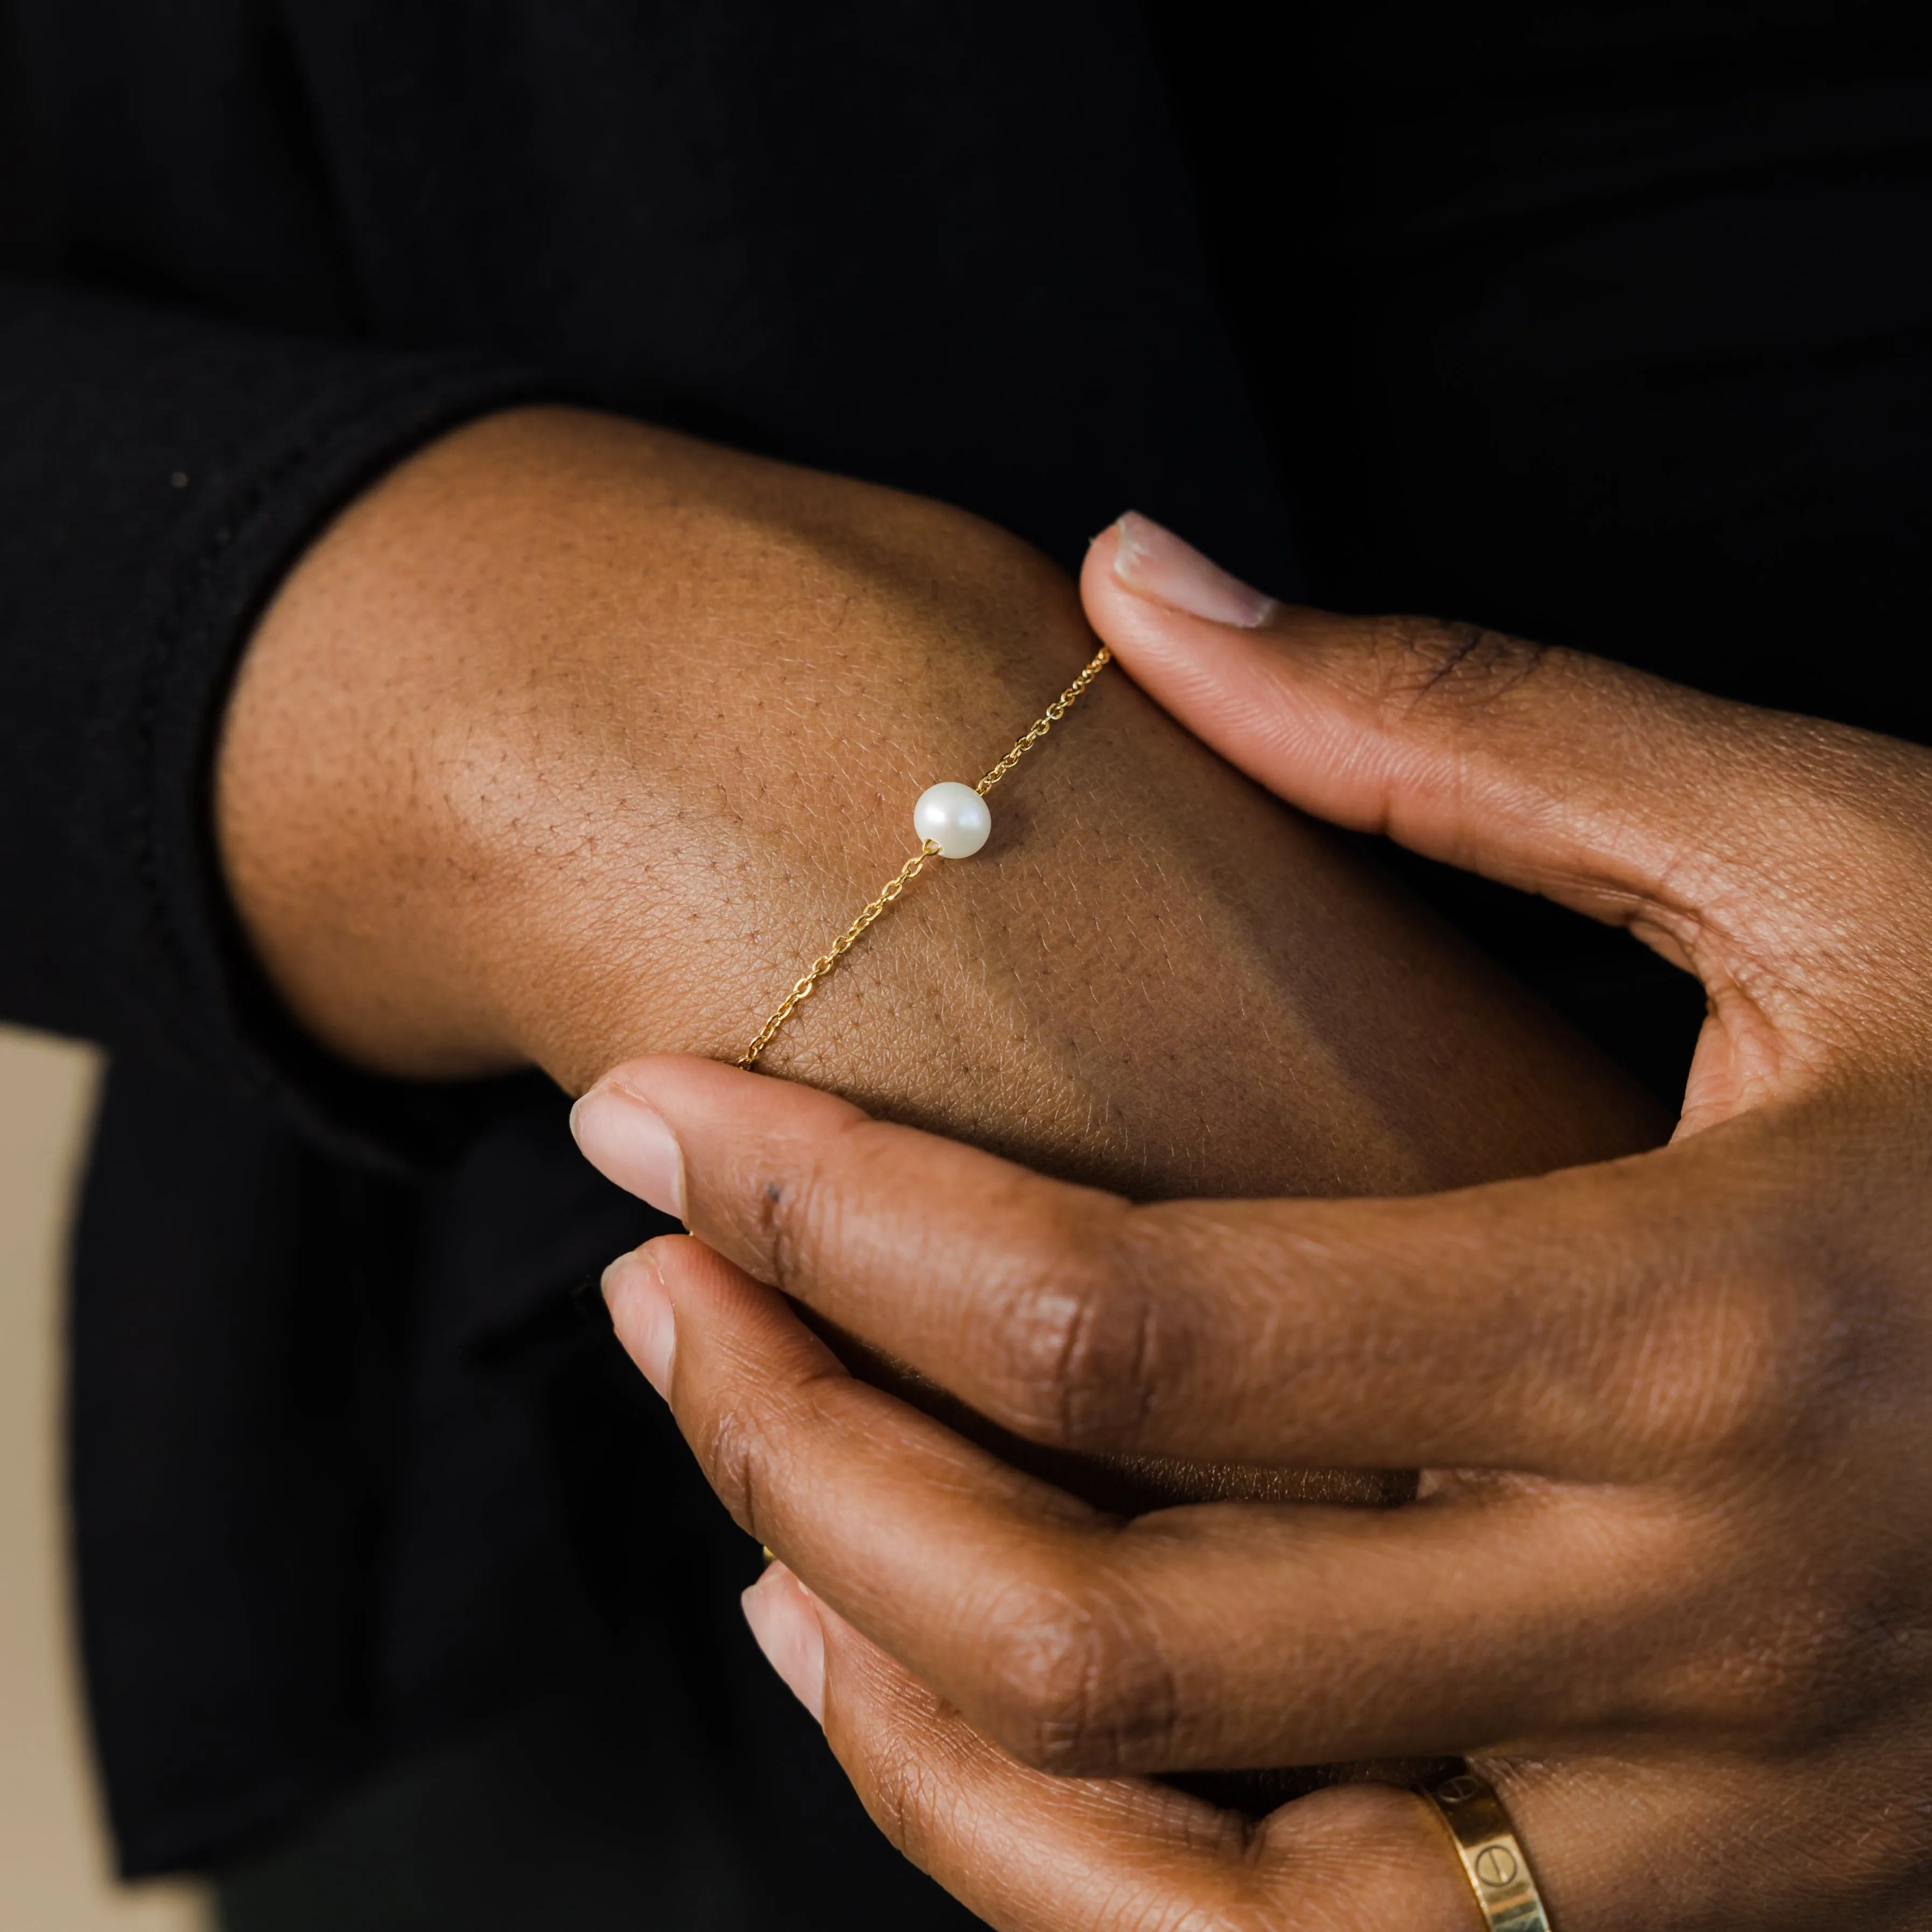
<point x="574" y="740"/>
<point x="1668" y="1579"/>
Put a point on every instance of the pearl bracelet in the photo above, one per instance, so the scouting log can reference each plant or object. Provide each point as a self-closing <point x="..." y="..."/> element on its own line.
<point x="953" y="821"/>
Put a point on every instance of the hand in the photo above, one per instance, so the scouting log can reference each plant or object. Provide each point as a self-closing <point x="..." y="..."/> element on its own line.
<point x="575" y="739"/>
<point x="1669" y="1581"/>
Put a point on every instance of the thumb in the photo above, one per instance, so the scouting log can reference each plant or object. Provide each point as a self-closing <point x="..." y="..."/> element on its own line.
<point x="1626" y="797"/>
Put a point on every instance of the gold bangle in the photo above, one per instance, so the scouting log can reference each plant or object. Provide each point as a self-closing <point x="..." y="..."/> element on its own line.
<point x="1492" y="1855"/>
<point x="953" y="822"/>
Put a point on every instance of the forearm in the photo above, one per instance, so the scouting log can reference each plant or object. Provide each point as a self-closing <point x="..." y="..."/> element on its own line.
<point x="574" y="741"/>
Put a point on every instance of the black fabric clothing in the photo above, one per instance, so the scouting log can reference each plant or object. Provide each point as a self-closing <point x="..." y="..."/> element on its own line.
<point x="597" y="1807"/>
<point x="1609" y="323"/>
<point x="325" y="1506"/>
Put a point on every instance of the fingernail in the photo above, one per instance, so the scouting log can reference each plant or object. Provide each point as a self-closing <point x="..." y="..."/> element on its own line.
<point x="788" y="1631"/>
<point x="628" y="1140"/>
<point x="1152" y="561"/>
<point x="641" y="1312"/>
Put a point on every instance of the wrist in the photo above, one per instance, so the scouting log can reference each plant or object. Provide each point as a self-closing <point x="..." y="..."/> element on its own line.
<point x="569" y="733"/>
<point x="574" y="742"/>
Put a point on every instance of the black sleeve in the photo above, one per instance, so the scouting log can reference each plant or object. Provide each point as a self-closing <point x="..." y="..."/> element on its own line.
<point x="159" y="471"/>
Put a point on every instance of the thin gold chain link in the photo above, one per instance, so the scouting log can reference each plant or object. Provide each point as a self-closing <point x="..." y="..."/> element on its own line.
<point x="803" y="988"/>
<point x="1045" y="722"/>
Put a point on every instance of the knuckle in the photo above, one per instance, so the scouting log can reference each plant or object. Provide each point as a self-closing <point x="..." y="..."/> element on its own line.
<point x="1737" y="1360"/>
<point x="1078" y="1683"/>
<point x="728" y="1449"/>
<point x="802" y="1216"/>
<point x="1804" y="1660"/>
<point x="1431" y="663"/>
<point x="903" y="1795"/>
<point x="1722" y="1394"/>
<point x="739" y="1443"/>
<point x="1083" y="1346"/>
<point x="1817" y="1667"/>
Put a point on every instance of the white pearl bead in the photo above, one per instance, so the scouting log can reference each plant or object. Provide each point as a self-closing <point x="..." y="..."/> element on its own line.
<point x="954" y="816"/>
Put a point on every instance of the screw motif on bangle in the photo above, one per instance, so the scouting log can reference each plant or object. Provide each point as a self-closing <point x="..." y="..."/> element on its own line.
<point x="952" y="821"/>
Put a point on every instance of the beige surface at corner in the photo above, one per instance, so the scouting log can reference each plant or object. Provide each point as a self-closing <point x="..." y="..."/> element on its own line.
<point x="54" y="1875"/>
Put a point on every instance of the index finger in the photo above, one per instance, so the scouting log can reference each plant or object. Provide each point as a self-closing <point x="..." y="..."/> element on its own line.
<point x="1538" y="1325"/>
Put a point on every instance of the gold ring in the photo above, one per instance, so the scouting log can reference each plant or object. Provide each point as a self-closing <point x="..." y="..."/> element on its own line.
<point x="1492" y="1857"/>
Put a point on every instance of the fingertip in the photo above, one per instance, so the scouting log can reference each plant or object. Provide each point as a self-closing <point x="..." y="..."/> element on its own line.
<point x="636" y="1291"/>
<point x="784" y="1619"/>
<point x="1100" y="548"/>
<point x="641" y="1123"/>
<point x="689" y="1090"/>
<point x="1151" y="562"/>
<point x="1177" y="622"/>
<point x="1108" y="599"/>
<point x="628" y="1141"/>
<point x="672" y="1078"/>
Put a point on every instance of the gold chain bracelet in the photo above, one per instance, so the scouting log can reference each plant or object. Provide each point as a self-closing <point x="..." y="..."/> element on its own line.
<point x="953" y="822"/>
